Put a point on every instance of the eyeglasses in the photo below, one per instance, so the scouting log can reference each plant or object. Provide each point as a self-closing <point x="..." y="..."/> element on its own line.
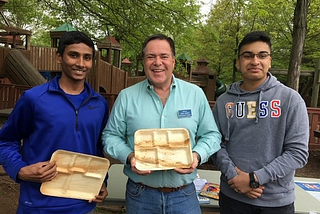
<point x="250" y="55"/>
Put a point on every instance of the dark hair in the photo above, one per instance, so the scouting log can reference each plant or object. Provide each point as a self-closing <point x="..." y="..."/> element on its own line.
<point x="254" y="36"/>
<point x="161" y="37"/>
<point x="74" y="37"/>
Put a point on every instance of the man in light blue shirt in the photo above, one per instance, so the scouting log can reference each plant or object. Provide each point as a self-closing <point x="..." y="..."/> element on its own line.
<point x="161" y="101"/>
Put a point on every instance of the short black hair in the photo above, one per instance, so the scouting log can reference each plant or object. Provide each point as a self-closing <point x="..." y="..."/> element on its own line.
<point x="161" y="37"/>
<point x="254" y="36"/>
<point x="74" y="37"/>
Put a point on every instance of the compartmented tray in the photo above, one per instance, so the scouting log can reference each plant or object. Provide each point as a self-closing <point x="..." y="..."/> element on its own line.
<point x="79" y="175"/>
<point x="162" y="149"/>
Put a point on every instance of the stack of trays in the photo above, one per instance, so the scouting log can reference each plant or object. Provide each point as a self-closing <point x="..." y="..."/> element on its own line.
<point x="79" y="175"/>
<point x="162" y="149"/>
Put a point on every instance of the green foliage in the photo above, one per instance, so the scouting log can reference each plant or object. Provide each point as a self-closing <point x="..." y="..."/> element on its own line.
<point x="311" y="49"/>
<point x="216" y="39"/>
<point x="180" y="70"/>
<point x="130" y="21"/>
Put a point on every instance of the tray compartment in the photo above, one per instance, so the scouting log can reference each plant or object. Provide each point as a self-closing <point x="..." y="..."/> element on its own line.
<point x="160" y="138"/>
<point x="162" y="149"/>
<point x="79" y="175"/>
<point x="146" y="158"/>
<point x="176" y="157"/>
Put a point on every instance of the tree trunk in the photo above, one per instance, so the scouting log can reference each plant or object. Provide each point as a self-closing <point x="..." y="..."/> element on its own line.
<point x="299" y="34"/>
<point x="234" y="77"/>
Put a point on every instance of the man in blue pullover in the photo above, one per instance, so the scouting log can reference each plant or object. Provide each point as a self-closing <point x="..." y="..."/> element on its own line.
<point x="265" y="131"/>
<point x="65" y="113"/>
<point x="161" y="101"/>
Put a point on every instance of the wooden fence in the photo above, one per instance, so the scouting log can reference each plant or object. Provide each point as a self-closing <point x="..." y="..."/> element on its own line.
<point x="107" y="78"/>
<point x="314" y="113"/>
<point x="44" y="58"/>
<point x="9" y="94"/>
<point x="103" y="77"/>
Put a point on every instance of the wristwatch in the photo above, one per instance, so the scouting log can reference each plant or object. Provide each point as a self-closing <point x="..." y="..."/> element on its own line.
<point x="253" y="183"/>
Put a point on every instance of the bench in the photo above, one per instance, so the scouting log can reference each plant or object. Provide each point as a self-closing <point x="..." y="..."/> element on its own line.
<point x="304" y="204"/>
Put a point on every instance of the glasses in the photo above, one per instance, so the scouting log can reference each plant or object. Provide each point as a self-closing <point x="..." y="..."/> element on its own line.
<point x="250" y="55"/>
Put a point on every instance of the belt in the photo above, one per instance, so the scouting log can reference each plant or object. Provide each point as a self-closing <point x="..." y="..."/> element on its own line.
<point x="164" y="189"/>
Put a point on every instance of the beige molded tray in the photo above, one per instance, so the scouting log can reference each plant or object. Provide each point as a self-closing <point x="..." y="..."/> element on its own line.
<point x="79" y="175"/>
<point x="162" y="149"/>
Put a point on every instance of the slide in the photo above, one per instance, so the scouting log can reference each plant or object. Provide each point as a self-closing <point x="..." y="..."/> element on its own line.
<point x="20" y="71"/>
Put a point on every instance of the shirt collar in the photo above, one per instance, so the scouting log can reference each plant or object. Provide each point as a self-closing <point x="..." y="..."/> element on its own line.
<point x="173" y="84"/>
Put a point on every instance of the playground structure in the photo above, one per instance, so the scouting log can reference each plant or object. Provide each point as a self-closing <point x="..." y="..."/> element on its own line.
<point x="21" y="67"/>
<point x="106" y="78"/>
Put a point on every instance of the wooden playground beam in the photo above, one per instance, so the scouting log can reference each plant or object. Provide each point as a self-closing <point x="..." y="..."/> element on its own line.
<point x="315" y="86"/>
<point x="306" y="73"/>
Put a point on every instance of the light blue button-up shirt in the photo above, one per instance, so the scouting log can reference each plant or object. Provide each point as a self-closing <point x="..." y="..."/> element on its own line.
<point x="139" y="107"/>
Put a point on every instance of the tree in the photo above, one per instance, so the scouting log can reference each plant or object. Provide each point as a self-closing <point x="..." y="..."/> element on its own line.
<point x="29" y="15"/>
<point x="276" y="17"/>
<point x="129" y="21"/>
<point x="299" y="34"/>
<point x="219" y="38"/>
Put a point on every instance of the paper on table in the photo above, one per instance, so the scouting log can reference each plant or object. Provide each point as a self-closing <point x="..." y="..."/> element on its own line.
<point x="313" y="188"/>
<point x="199" y="183"/>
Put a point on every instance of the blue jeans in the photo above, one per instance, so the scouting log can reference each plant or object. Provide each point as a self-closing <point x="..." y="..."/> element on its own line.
<point x="231" y="206"/>
<point x="144" y="200"/>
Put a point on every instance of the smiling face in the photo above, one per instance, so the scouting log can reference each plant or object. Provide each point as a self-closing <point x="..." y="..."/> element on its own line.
<point x="254" y="68"/>
<point x="158" y="62"/>
<point x="76" y="61"/>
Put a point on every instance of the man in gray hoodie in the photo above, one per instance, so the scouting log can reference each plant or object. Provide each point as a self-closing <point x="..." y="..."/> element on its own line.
<point x="265" y="132"/>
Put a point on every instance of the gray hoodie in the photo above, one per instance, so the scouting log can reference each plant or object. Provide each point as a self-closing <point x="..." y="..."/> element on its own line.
<point x="265" y="131"/>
